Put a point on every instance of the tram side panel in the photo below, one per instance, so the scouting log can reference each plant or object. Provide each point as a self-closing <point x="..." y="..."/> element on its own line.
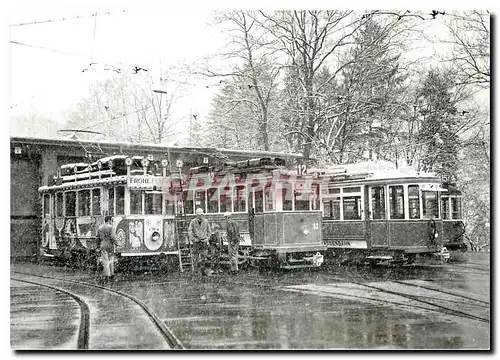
<point x="415" y="236"/>
<point x="344" y="234"/>
<point x="453" y="235"/>
<point x="289" y="231"/>
<point x="137" y="235"/>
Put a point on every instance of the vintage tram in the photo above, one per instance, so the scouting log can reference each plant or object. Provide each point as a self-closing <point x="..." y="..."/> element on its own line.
<point x="279" y="222"/>
<point x="374" y="212"/>
<point x="80" y="195"/>
<point x="152" y="207"/>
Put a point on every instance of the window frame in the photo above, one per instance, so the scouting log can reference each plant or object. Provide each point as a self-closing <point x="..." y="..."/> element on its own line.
<point x="335" y="198"/>
<point x="390" y="203"/>
<point x="66" y="205"/>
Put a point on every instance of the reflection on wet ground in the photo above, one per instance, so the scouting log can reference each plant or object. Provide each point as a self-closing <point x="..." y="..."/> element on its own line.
<point x="43" y="311"/>
<point x="251" y="310"/>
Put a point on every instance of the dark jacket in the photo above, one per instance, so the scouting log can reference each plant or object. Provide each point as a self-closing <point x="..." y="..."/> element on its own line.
<point x="105" y="238"/>
<point x="233" y="233"/>
<point x="199" y="231"/>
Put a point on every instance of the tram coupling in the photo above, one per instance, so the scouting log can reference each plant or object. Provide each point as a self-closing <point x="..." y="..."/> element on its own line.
<point x="316" y="260"/>
<point x="444" y="254"/>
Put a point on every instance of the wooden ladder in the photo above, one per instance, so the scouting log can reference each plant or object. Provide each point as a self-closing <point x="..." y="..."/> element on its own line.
<point x="184" y="249"/>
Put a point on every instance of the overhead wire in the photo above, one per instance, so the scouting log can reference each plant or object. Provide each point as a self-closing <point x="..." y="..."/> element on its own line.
<point x="48" y="49"/>
<point x="65" y="19"/>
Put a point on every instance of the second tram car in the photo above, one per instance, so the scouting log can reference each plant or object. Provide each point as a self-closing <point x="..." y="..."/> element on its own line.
<point x="374" y="212"/>
<point x="279" y="222"/>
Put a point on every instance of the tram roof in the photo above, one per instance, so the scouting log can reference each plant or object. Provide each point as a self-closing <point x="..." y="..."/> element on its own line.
<point x="129" y="146"/>
<point x="378" y="170"/>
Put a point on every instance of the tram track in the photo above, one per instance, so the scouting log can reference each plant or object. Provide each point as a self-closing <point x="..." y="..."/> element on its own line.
<point x="434" y="307"/>
<point x="442" y="291"/>
<point x="167" y="334"/>
<point x="419" y="299"/>
<point x="471" y="267"/>
<point x="84" y="327"/>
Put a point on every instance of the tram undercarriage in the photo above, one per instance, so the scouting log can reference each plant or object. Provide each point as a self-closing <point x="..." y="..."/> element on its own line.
<point x="341" y="256"/>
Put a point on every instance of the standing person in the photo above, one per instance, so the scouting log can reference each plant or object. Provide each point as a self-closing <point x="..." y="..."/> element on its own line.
<point x="106" y="245"/>
<point x="199" y="233"/>
<point x="233" y="241"/>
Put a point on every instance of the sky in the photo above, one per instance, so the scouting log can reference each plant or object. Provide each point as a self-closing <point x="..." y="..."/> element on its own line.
<point x="46" y="59"/>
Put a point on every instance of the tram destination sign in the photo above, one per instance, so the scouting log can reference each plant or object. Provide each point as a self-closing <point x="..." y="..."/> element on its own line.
<point x="356" y="244"/>
<point x="145" y="182"/>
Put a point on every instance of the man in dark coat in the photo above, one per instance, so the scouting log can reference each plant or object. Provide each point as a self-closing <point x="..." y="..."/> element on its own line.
<point x="199" y="233"/>
<point x="106" y="246"/>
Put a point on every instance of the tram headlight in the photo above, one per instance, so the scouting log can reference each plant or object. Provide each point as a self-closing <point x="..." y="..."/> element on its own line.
<point x="110" y="164"/>
<point x="128" y="161"/>
<point x="436" y="235"/>
<point x="144" y="162"/>
<point x="164" y="163"/>
<point x="99" y="165"/>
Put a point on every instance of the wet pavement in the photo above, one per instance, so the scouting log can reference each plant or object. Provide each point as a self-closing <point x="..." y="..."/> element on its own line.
<point x="37" y="311"/>
<point x="335" y="307"/>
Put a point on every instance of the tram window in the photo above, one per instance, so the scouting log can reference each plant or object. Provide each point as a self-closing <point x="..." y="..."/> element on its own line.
<point x="352" y="207"/>
<point x="96" y="201"/>
<point x="240" y="199"/>
<point x="225" y="199"/>
<point x="396" y="202"/>
<point x="336" y="208"/>
<point x="301" y="198"/>
<point x="135" y="202"/>
<point x="111" y="201"/>
<point x="378" y="202"/>
<point x="120" y="200"/>
<point x="188" y="196"/>
<point x="327" y="208"/>
<point x="286" y="195"/>
<point x="212" y="202"/>
<point x="445" y="208"/>
<point x="70" y="203"/>
<point x="250" y="199"/>
<point x="413" y="202"/>
<point x="315" y="197"/>
<point x="199" y="199"/>
<point x="333" y="191"/>
<point x="259" y="201"/>
<point x="170" y="205"/>
<point x="269" y="199"/>
<point x="46" y="205"/>
<point x="152" y="204"/>
<point x="430" y="204"/>
<point x="331" y="208"/>
<point x="351" y="190"/>
<point x="59" y="204"/>
<point x="456" y="208"/>
<point x="84" y="203"/>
